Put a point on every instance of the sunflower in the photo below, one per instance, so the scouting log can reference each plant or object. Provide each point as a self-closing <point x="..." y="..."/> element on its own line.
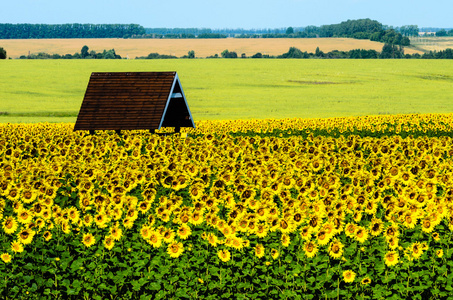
<point x="28" y="195"/>
<point x="101" y="220"/>
<point x="9" y="225"/>
<point x="376" y="226"/>
<point x="439" y="253"/>
<point x="66" y="227"/>
<point x="391" y="258"/>
<point x="357" y="216"/>
<point x="322" y="237"/>
<point x="6" y="257"/>
<point x="336" y="249"/>
<point x="109" y="242"/>
<point x="285" y="239"/>
<point x="348" y="276"/>
<point x="427" y="225"/>
<point x="416" y="250"/>
<point x="224" y="255"/>
<point x="145" y="232"/>
<point x="13" y="194"/>
<point x="184" y="231"/>
<point x="391" y="231"/>
<point x="315" y="222"/>
<point x="155" y="239"/>
<point x="409" y="220"/>
<point x="168" y="235"/>
<point x="310" y="249"/>
<point x="87" y="220"/>
<point x="25" y="236"/>
<point x="274" y="253"/>
<point x="17" y="247"/>
<point x="361" y="234"/>
<point x="196" y="218"/>
<point x="350" y="230"/>
<point x="47" y="235"/>
<point x="365" y="281"/>
<point x="305" y="233"/>
<point x="392" y="242"/>
<point x="175" y="249"/>
<point x="25" y="216"/>
<point x="128" y="223"/>
<point x="212" y="239"/>
<point x="435" y="236"/>
<point x="259" y="250"/>
<point x="88" y="240"/>
<point x="73" y="214"/>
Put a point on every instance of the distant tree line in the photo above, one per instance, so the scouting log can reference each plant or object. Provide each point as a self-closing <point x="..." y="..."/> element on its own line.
<point x="84" y="54"/>
<point x="67" y="31"/>
<point x="388" y="51"/>
<point x="180" y="36"/>
<point x="360" y="29"/>
<point x="357" y="29"/>
<point x="443" y="32"/>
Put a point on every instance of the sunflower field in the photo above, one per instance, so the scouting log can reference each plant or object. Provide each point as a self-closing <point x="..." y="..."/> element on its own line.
<point x="358" y="208"/>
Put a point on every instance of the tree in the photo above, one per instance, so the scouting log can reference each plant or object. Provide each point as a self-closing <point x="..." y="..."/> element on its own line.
<point x="2" y="53"/>
<point x="441" y="32"/>
<point x="228" y="54"/>
<point x="318" y="52"/>
<point x="392" y="51"/>
<point x="294" y="52"/>
<point x="84" y="51"/>
<point x="191" y="54"/>
<point x="289" y="30"/>
<point x="409" y="30"/>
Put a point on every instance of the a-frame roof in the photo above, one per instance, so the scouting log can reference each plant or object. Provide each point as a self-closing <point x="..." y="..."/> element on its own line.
<point x="133" y="100"/>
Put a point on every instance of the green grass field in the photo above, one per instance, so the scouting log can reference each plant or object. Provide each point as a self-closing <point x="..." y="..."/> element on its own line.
<point x="53" y="90"/>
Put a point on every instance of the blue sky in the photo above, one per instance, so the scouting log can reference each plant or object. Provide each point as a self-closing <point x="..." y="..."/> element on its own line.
<point x="247" y="14"/>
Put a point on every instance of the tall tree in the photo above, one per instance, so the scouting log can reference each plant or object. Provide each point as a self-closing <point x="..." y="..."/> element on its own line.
<point x="84" y="51"/>
<point x="2" y="53"/>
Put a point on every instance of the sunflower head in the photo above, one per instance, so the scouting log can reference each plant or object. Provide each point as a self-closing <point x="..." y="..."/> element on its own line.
<point x="336" y="249"/>
<point x="6" y="257"/>
<point x="109" y="242"/>
<point x="391" y="258"/>
<point x="274" y="253"/>
<point x="184" y="231"/>
<point x="365" y="281"/>
<point x="88" y="240"/>
<point x="439" y="253"/>
<point x="9" y="225"/>
<point x="310" y="249"/>
<point x="259" y="250"/>
<point x="175" y="249"/>
<point x="285" y="239"/>
<point x="224" y="255"/>
<point x="348" y="276"/>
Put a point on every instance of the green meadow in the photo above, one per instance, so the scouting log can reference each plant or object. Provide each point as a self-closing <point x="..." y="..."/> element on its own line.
<point x="218" y="89"/>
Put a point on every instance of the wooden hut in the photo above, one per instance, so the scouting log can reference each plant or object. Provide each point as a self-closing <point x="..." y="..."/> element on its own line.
<point x="134" y="100"/>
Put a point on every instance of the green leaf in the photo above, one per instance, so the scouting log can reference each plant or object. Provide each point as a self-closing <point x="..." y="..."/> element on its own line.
<point x="154" y="286"/>
<point x="75" y="266"/>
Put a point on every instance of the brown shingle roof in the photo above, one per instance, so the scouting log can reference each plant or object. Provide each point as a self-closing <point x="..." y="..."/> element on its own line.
<point x="133" y="100"/>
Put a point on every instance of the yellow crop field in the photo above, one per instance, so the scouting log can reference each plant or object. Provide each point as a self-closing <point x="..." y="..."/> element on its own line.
<point x="223" y="89"/>
<point x="203" y="47"/>
<point x="343" y="208"/>
<point x="432" y="43"/>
